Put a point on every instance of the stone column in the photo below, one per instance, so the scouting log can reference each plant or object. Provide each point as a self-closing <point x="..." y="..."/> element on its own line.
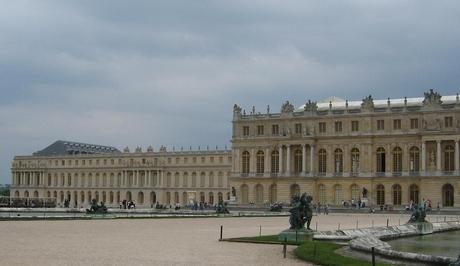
<point x="288" y="159"/>
<point x="304" y="158"/>
<point x="438" y="155"/>
<point x="312" y="158"/>
<point x="423" y="166"/>
<point x="456" y="156"/>
<point x="252" y="165"/>
<point x="280" y="160"/>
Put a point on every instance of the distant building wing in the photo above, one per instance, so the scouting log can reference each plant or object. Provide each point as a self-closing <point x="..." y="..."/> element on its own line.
<point x="62" y="147"/>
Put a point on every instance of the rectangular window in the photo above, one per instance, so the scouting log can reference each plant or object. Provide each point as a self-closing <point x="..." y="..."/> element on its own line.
<point x="414" y="123"/>
<point x="194" y="159"/>
<point x="211" y="159"/>
<point x="260" y="130"/>
<point x="185" y="160"/>
<point x="298" y="128"/>
<point x="338" y="126"/>
<point x="177" y="160"/>
<point x="448" y="121"/>
<point x="275" y="130"/>
<point x="203" y="159"/>
<point x="322" y="127"/>
<point x="245" y="131"/>
<point x="397" y="124"/>
<point x="76" y="162"/>
<point x="354" y="126"/>
<point x="63" y="162"/>
<point x="380" y="124"/>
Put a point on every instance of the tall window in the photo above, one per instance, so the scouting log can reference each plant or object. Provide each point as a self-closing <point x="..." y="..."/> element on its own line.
<point x="414" y="123"/>
<point x="260" y="130"/>
<point x="245" y="162"/>
<point x="202" y="179"/>
<point x="338" y="126"/>
<point x="275" y="162"/>
<point x="414" y="193"/>
<point x="447" y="195"/>
<point x="380" y="194"/>
<point x="414" y="159"/>
<point x="322" y="127"/>
<point x="380" y="160"/>
<point x="275" y="130"/>
<point x="338" y="161"/>
<point x="338" y="194"/>
<point x="397" y="160"/>
<point x="380" y="124"/>
<point x="354" y="126"/>
<point x="355" y="160"/>
<point x="449" y="158"/>
<point x="448" y="121"/>
<point x="396" y="194"/>
<point x="397" y="124"/>
<point x="355" y="192"/>
<point x="322" y="159"/>
<point x="260" y="162"/>
<point x="245" y="131"/>
<point x="322" y="194"/>
<point x="298" y="161"/>
<point x="298" y="128"/>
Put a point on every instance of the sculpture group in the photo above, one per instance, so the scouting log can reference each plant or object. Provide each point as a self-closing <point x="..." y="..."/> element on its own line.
<point x="301" y="211"/>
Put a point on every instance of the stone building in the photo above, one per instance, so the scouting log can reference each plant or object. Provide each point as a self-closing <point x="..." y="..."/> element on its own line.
<point x="384" y="152"/>
<point x="79" y="172"/>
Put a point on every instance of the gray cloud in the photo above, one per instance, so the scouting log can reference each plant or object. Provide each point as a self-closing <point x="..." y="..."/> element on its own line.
<point x="152" y="72"/>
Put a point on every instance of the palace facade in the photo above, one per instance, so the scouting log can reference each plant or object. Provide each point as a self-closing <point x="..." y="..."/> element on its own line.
<point x="383" y="152"/>
<point x="80" y="172"/>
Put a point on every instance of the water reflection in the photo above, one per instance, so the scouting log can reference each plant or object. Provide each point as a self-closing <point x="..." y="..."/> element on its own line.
<point x="439" y="244"/>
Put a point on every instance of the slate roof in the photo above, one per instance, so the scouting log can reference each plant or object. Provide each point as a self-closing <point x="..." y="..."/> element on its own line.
<point x="63" y="147"/>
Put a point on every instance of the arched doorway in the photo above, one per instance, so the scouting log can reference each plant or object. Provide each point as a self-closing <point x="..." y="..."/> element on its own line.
<point x="272" y="193"/>
<point x="129" y="197"/>
<point x="397" y="194"/>
<point x="153" y="197"/>
<point x="414" y="193"/>
<point x="35" y="194"/>
<point x="211" y="198"/>
<point x="338" y="195"/>
<point x="447" y="195"/>
<point x="168" y="197"/>
<point x="140" y="197"/>
<point x="259" y="192"/>
<point x="380" y="189"/>
<point x="26" y="194"/>
<point x="244" y="194"/>
<point x="220" y="197"/>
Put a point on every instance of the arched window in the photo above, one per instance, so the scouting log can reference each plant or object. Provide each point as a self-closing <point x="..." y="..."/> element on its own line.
<point x="355" y="192"/>
<point x="447" y="195"/>
<point x="338" y="194"/>
<point x="272" y="193"/>
<point x="184" y="199"/>
<point x="295" y="189"/>
<point x="259" y="193"/>
<point x="220" y="197"/>
<point x="275" y="162"/>
<point x="260" y="164"/>
<point x="338" y="161"/>
<point x="322" y="161"/>
<point x="449" y="158"/>
<point x="176" y="197"/>
<point x="397" y="160"/>
<point x="193" y="179"/>
<point x="185" y="180"/>
<point x="244" y="194"/>
<point x="414" y="159"/>
<point x="140" y="197"/>
<point x="202" y="199"/>
<point x="380" y="160"/>
<point x="168" y="197"/>
<point x="35" y="194"/>
<point x="153" y="197"/>
<point x="355" y="160"/>
<point x="298" y="161"/>
<point x="168" y="179"/>
<point x="380" y="189"/>
<point x="176" y="179"/>
<point x="202" y="179"/>
<point x="220" y="179"/>
<point x="396" y="194"/>
<point x="211" y="179"/>
<point x="414" y="193"/>
<point x="26" y="194"/>
<point x="245" y="162"/>
<point x="322" y="194"/>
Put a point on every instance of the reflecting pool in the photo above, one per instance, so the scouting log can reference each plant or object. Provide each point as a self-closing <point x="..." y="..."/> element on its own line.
<point x="439" y="244"/>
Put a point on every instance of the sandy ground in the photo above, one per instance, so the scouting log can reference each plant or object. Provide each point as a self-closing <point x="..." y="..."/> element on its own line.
<point x="180" y="241"/>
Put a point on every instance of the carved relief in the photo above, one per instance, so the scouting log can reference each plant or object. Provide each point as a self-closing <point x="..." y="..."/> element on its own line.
<point x="432" y="124"/>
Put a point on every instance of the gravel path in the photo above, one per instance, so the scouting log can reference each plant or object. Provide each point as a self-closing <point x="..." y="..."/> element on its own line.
<point x="191" y="241"/>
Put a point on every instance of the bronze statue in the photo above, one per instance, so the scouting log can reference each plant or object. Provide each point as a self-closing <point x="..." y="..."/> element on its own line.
<point x="301" y="211"/>
<point x="222" y="208"/>
<point x="418" y="215"/>
<point x="95" y="208"/>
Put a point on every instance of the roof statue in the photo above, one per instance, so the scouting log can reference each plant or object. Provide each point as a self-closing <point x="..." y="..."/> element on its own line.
<point x="311" y="106"/>
<point x="236" y="110"/>
<point x="432" y="98"/>
<point x="138" y="149"/>
<point x="368" y="103"/>
<point x="150" y="149"/>
<point x="287" y="107"/>
<point x="126" y="149"/>
<point x="162" y="148"/>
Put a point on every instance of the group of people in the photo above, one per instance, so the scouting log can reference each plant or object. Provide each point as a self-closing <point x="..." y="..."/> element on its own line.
<point x="127" y="204"/>
<point x="320" y="208"/>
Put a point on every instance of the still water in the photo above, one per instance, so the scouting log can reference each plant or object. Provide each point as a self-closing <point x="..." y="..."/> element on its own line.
<point x="439" y="244"/>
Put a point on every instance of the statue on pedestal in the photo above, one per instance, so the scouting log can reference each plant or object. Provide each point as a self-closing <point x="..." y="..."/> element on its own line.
<point x="301" y="211"/>
<point x="418" y="215"/>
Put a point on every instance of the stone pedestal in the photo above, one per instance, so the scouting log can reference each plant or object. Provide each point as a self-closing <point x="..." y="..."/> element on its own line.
<point x="424" y="228"/>
<point x="296" y="235"/>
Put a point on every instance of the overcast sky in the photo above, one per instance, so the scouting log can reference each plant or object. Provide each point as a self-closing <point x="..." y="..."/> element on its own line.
<point x="129" y="73"/>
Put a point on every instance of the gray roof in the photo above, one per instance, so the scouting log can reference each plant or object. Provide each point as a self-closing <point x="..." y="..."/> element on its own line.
<point x="63" y="147"/>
